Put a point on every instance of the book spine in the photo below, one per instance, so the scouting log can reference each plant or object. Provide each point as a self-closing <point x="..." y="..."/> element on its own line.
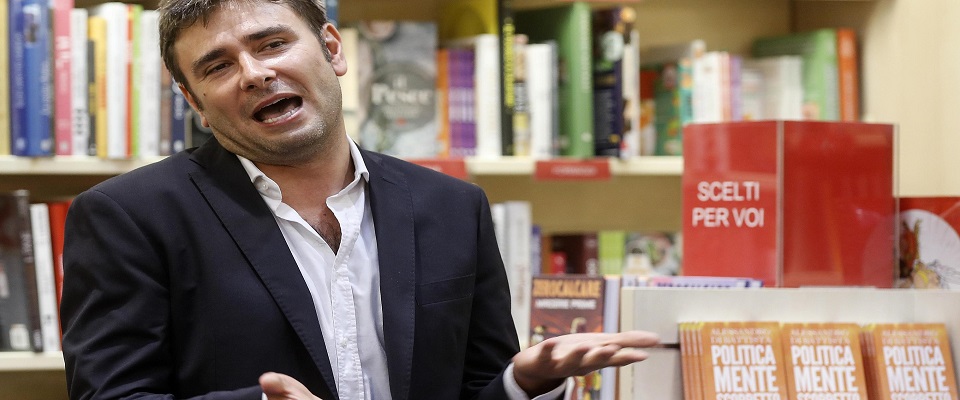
<point x="62" y="75"/>
<point x="150" y="79"/>
<point x="487" y="103"/>
<point x="29" y="272"/>
<point x="576" y="89"/>
<point x="97" y="52"/>
<point x="540" y="63"/>
<point x="443" y="103"/>
<point x="507" y="76"/>
<point x="32" y="135"/>
<point x="44" y="272"/>
<point x="6" y="75"/>
<point x="178" y="123"/>
<point x="79" y="81"/>
<point x="134" y="79"/>
<point x="848" y="75"/>
<point x="608" y="106"/>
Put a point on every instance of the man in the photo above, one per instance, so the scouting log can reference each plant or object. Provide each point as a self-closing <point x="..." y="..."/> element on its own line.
<point x="280" y="261"/>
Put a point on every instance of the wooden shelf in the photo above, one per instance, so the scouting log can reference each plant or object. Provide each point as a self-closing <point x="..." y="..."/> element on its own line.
<point x="28" y="361"/>
<point x="9" y="165"/>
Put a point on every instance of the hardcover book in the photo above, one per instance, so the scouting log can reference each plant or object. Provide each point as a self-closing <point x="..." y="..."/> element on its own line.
<point x="31" y="84"/>
<point x="397" y="71"/>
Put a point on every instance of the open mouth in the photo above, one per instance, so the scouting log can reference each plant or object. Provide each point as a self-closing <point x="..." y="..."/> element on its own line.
<point x="278" y="110"/>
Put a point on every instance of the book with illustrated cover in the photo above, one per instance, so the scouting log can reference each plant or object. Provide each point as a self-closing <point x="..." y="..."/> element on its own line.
<point x="569" y="304"/>
<point x="668" y="98"/>
<point x="612" y="29"/>
<point x="397" y="72"/>
<point x="742" y="359"/>
<point x="929" y="255"/>
<point x="824" y="361"/>
<point x="909" y="361"/>
<point x="569" y="25"/>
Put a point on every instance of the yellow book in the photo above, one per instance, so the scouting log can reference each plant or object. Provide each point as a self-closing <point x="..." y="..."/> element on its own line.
<point x="5" y="74"/>
<point x="97" y="28"/>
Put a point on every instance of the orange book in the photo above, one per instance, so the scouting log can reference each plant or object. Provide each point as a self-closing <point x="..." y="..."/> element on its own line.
<point x="742" y="360"/>
<point x="686" y="348"/>
<point x="824" y="359"/>
<point x="848" y="75"/>
<point x="443" y="102"/>
<point x="911" y="361"/>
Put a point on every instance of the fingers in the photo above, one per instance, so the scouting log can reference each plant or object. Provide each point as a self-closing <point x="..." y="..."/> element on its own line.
<point x="272" y="384"/>
<point x="282" y="387"/>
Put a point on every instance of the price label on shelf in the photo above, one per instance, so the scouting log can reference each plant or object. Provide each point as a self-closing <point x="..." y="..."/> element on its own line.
<point x="572" y="170"/>
<point x="456" y="168"/>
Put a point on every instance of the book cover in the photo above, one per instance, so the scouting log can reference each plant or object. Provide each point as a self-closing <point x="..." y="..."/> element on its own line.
<point x="62" y="76"/>
<point x="818" y="48"/>
<point x="910" y="361"/>
<point x="824" y="360"/>
<point x="397" y="75"/>
<point x="5" y="74"/>
<point x="19" y="307"/>
<point x="742" y="359"/>
<point x="31" y="104"/>
<point x="570" y="27"/>
<point x="929" y="250"/>
<point x="468" y="18"/>
<point x="568" y="304"/>
<point x="44" y="272"/>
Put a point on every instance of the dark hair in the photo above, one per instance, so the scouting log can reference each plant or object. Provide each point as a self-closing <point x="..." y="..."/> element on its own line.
<point x="177" y="15"/>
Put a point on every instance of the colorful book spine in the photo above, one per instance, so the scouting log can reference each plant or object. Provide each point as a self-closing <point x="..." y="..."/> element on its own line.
<point x="97" y="27"/>
<point x="117" y="78"/>
<point x="30" y="75"/>
<point x="80" y="83"/>
<point x="62" y="76"/>
<point x="5" y="74"/>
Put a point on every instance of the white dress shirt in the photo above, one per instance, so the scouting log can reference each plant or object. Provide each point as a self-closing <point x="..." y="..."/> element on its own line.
<point x="346" y="285"/>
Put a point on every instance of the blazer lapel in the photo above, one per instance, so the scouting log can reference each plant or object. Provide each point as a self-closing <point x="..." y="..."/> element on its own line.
<point x="231" y="195"/>
<point x="392" y="207"/>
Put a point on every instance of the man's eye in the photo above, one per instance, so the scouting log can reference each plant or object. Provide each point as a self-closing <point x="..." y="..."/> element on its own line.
<point x="275" y="44"/>
<point x="216" y="68"/>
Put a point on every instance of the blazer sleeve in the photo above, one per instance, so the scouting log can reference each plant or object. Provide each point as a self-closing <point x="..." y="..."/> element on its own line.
<point x="115" y="310"/>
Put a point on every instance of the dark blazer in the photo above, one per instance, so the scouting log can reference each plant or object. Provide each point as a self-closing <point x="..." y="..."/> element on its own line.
<point x="179" y="282"/>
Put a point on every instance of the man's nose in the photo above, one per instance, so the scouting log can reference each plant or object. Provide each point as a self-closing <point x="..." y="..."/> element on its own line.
<point x="255" y="73"/>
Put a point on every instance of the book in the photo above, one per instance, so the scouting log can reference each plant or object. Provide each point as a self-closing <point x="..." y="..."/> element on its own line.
<point x="772" y="88"/>
<point x="909" y="361"/>
<point x="62" y="76"/>
<point x="150" y="65"/>
<point x="615" y="86"/>
<point x="135" y="71"/>
<point x="652" y="253"/>
<point x="541" y="88"/>
<point x="349" y="82"/>
<point x="668" y="69"/>
<point x="517" y="261"/>
<point x="569" y="25"/>
<point x="397" y="73"/>
<point x="929" y="245"/>
<point x="462" y="19"/>
<point x="19" y="307"/>
<point x="848" y="74"/>
<point x="332" y="9"/>
<point x="712" y="282"/>
<point x="568" y="304"/>
<point x="741" y="359"/>
<point x="463" y="138"/>
<point x="521" y="99"/>
<point x="824" y="360"/>
<point x="487" y="114"/>
<point x="97" y="67"/>
<point x="821" y="87"/>
<point x="58" y="220"/>
<point x="80" y="81"/>
<point x="578" y="252"/>
<point x="45" y="281"/>
<point x="179" y="118"/>
<point x="31" y="105"/>
<point x="116" y="79"/>
<point x="443" y="103"/>
<point x="5" y="74"/>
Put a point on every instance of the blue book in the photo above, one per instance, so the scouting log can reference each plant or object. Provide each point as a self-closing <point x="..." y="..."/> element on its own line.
<point x="333" y="11"/>
<point x="31" y="105"/>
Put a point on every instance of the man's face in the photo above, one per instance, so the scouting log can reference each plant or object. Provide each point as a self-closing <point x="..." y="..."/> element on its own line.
<point x="262" y="82"/>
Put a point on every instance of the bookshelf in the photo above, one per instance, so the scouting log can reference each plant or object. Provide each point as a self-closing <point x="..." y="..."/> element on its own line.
<point x="908" y="59"/>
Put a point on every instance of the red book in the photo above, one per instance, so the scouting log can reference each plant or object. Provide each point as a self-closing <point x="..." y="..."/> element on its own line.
<point x="62" y="110"/>
<point x="58" y="219"/>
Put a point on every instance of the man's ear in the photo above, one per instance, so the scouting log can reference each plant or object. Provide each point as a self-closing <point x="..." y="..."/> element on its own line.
<point x="194" y="104"/>
<point x="334" y="44"/>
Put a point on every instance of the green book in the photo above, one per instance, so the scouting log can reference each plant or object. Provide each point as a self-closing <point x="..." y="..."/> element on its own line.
<point x="570" y="26"/>
<point x="818" y="49"/>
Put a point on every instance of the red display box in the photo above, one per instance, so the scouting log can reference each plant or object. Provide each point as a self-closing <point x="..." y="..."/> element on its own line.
<point x="793" y="203"/>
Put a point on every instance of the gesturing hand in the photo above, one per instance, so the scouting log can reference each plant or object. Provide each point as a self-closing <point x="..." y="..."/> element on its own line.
<point x="540" y="368"/>
<point x="282" y="387"/>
